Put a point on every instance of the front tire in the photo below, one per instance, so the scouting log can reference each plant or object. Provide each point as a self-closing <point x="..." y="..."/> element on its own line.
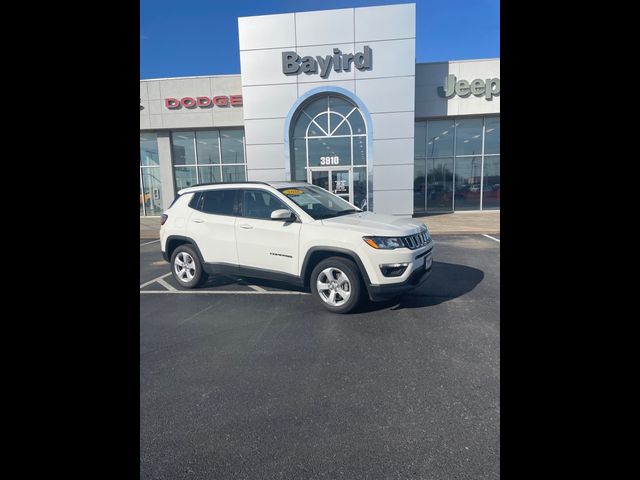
<point x="186" y="267"/>
<point x="336" y="284"/>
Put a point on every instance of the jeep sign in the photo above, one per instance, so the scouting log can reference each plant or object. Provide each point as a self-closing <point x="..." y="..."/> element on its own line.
<point x="478" y="87"/>
<point x="292" y="64"/>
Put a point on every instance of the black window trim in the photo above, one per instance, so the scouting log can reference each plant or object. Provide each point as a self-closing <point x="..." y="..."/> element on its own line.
<point x="198" y="204"/>
<point x="241" y="201"/>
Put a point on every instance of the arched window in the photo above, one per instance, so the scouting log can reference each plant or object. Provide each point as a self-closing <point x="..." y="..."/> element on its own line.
<point x="329" y="147"/>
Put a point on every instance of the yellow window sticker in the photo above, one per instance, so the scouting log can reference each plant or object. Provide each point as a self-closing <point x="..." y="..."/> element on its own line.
<point x="292" y="191"/>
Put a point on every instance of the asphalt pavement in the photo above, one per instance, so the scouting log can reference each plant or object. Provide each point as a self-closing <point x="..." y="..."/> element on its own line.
<point x="250" y="379"/>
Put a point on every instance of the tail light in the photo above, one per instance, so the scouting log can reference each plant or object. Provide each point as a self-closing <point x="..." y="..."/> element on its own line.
<point x="163" y="218"/>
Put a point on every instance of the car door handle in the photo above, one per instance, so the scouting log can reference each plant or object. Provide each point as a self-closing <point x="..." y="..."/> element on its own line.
<point x="198" y="220"/>
<point x="246" y="226"/>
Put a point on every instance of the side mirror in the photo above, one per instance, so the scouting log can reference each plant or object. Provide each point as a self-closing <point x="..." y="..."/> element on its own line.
<point x="282" y="214"/>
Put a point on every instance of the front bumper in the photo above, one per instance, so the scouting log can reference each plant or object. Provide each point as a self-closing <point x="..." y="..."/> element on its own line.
<point x="384" y="292"/>
<point x="416" y="277"/>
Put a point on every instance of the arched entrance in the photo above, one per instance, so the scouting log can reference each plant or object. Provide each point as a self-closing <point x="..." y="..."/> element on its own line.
<point x="328" y="141"/>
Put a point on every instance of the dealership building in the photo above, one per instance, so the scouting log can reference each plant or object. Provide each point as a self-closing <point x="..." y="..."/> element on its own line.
<point x="334" y="98"/>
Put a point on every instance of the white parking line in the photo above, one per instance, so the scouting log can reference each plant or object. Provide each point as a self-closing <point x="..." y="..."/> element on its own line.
<point x="155" y="280"/>
<point x="492" y="238"/>
<point x="149" y="243"/>
<point x="224" y="292"/>
<point x="166" y="285"/>
<point x="256" y="288"/>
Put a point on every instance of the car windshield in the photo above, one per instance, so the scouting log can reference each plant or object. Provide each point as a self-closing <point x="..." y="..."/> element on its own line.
<point x="317" y="202"/>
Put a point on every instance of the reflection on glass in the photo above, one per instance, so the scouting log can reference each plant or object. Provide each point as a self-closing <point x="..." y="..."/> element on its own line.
<point x="149" y="149"/>
<point x="467" y="183"/>
<point x="340" y="182"/>
<point x="141" y="201"/>
<point x="338" y="104"/>
<point x="151" y="191"/>
<point x="419" y="184"/>
<point x="439" y="185"/>
<point x="359" y="150"/>
<point x="209" y="174"/>
<point x="491" y="187"/>
<point x="440" y="135"/>
<point x="232" y="145"/>
<point x="357" y="122"/>
<point x="360" y="187"/>
<point x="207" y="147"/>
<point x="184" y="152"/>
<point x="185" y="177"/>
<point x="491" y="135"/>
<point x="327" y="151"/>
<point x="233" y="173"/>
<point x="419" y="140"/>
<point x="469" y="136"/>
<point x="299" y="172"/>
<point x="320" y="179"/>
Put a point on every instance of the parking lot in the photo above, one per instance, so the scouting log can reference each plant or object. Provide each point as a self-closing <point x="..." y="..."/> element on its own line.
<point x="251" y="379"/>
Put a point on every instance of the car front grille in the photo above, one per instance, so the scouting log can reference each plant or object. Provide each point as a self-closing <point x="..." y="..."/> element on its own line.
<point x="416" y="241"/>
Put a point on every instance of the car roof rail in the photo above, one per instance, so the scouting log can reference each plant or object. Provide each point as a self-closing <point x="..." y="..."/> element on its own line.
<point x="224" y="183"/>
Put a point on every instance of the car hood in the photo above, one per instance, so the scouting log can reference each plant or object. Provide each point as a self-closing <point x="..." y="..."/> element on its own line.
<point x="369" y="223"/>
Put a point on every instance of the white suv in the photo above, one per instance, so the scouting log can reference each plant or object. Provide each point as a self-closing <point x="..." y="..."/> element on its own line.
<point x="294" y="232"/>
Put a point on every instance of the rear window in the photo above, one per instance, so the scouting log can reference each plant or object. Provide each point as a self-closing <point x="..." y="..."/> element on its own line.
<point x="217" y="202"/>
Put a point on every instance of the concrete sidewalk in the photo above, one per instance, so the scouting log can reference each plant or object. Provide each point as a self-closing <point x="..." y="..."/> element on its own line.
<point x="449" y="223"/>
<point x="463" y="222"/>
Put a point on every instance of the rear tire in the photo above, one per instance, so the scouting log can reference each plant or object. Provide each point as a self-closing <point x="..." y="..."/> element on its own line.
<point x="186" y="267"/>
<point x="336" y="283"/>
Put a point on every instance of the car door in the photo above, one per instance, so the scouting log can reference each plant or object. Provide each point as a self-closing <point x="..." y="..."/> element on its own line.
<point x="212" y="225"/>
<point x="263" y="243"/>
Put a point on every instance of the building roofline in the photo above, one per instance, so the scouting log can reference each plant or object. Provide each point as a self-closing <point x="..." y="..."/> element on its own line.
<point x="459" y="61"/>
<point x="190" y="76"/>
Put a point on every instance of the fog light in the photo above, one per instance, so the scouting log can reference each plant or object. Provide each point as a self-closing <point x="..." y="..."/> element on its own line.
<point x="393" y="269"/>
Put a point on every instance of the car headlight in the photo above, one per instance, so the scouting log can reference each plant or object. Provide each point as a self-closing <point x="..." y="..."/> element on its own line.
<point x="384" y="243"/>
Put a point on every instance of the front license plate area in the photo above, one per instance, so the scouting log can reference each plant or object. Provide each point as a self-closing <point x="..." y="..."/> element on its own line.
<point x="428" y="260"/>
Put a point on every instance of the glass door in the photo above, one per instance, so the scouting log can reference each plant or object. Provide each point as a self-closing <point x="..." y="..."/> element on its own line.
<point x="337" y="181"/>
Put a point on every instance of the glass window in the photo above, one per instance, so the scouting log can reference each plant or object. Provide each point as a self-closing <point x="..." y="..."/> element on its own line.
<point x="419" y="144"/>
<point x="260" y="204"/>
<point x="467" y="183"/>
<point x="141" y="201"/>
<point x="314" y="108"/>
<point x="184" y="152"/>
<point x="209" y="174"/>
<point x="219" y="202"/>
<point x="300" y="160"/>
<point x="491" y="135"/>
<point x="359" y="150"/>
<point x="151" y="191"/>
<point x="341" y="126"/>
<point x="419" y="185"/>
<point x="319" y="127"/>
<point x="232" y="146"/>
<point x="185" y="177"/>
<point x="339" y="141"/>
<point x="360" y="187"/>
<point x="468" y="137"/>
<point x="440" y="137"/>
<point x="340" y="105"/>
<point x="207" y="146"/>
<point x="491" y="181"/>
<point x="317" y="202"/>
<point x="440" y="185"/>
<point x="357" y="123"/>
<point x="327" y="151"/>
<point x="233" y="173"/>
<point x="300" y="129"/>
<point x="149" y="149"/>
